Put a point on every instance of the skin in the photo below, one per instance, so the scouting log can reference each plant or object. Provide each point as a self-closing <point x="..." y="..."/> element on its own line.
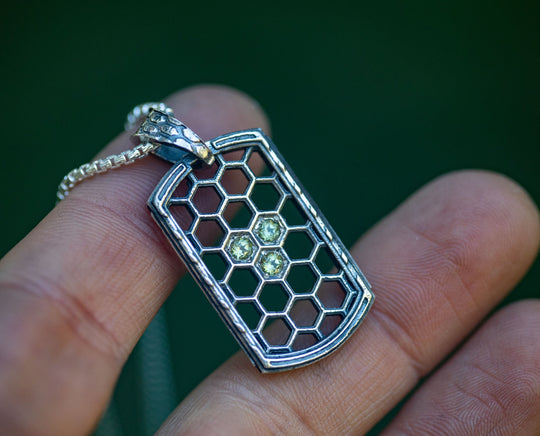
<point x="79" y="290"/>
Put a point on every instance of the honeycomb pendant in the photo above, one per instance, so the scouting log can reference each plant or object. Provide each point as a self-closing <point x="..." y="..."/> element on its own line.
<point x="260" y="249"/>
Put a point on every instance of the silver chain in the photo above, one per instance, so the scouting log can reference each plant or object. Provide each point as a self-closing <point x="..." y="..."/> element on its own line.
<point x="77" y="175"/>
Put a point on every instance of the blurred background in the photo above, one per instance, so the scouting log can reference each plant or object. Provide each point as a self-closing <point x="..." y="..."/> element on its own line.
<point x="414" y="89"/>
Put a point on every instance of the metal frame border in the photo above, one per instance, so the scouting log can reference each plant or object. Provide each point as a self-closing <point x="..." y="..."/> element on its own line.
<point x="265" y="362"/>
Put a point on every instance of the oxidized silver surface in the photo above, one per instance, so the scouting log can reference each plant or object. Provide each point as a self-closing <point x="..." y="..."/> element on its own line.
<point x="162" y="128"/>
<point x="290" y="271"/>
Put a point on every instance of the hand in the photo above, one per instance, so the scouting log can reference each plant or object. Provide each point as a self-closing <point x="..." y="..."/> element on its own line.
<point x="79" y="290"/>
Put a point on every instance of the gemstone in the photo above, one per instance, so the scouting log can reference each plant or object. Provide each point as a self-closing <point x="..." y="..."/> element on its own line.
<point x="269" y="230"/>
<point x="241" y="248"/>
<point x="272" y="263"/>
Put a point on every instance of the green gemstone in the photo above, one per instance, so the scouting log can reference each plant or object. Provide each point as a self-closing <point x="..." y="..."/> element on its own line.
<point x="241" y="248"/>
<point x="272" y="263"/>
<point x="269" y="230"/>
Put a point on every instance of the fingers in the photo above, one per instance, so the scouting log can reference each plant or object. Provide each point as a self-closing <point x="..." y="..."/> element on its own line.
<point x="76" y="294"/>
<point x="438" y="264"/>
<point x="491" y="386"/>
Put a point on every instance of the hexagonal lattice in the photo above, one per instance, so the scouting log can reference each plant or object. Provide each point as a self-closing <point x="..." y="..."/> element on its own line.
<point x="278" y="275"/>
<point x="258" y="244"/>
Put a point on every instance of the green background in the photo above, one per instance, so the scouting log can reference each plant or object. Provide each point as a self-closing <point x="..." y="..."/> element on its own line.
<point x="409" y="89"/>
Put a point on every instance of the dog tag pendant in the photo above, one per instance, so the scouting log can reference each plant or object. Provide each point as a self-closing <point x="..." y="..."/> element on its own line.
<point x="258" y="246"/>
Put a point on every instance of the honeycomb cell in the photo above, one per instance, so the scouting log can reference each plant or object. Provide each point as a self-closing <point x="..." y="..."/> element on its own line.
<point x="277" y="332"/>
<point x="182" y="190"/>
<point x="303" y="341"/>
<point x="304" y="313"/>
<point x="325" y="261"/>
<point x="235" y="181"/>
<point x="249" y="313"/>
<point x="332" y="294"/>
<point x="273" y="298"/>
<point x="206" y="172"/>
<point x="258" y="165"/>
<point x="233" y="156"/>
<point x="209" y="233"/>
<point x="243" y="282"/>
<point x="238" y="214"/>
<point x="301" y="279"/>
<point x="206" y="199"/>
<point x="216" y="264"/>
<point x="298" y="245"/>
<point x="292" y="213"/>
<point x="183" y="215"/>
<point x="265" y="196"/>
<point x="329" y="324"/>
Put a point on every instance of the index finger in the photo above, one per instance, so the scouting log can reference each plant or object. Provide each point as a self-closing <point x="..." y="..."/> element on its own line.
<point x="79" y="290"/>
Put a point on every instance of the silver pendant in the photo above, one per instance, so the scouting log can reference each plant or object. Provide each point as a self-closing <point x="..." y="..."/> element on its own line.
<point x="277" y="274"/>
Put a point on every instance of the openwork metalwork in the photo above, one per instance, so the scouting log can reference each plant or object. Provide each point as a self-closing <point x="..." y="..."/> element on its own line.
<point x="260" y="249"/>
<point x="276" y="273"/>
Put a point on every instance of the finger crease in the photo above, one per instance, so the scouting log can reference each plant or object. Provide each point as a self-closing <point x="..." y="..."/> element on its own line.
<point x="399" y="336"/>
<point x="124" y="216"/>
<point x="75" y="314"/>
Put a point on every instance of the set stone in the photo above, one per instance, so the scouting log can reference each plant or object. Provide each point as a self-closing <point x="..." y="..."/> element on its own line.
<point x="241" y="248"/>
<point x="269" y="230"/>
<point x="272" y="263"/>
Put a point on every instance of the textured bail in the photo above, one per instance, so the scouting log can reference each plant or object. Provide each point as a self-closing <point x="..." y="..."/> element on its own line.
<point x="163" y="129"/>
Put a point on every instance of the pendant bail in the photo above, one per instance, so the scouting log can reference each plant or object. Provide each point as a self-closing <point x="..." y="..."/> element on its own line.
<point x="163" y="129"/>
